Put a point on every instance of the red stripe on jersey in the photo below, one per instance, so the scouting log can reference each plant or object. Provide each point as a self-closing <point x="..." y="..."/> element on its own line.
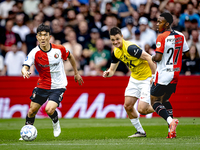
<point x="64" y="52"/>
<point x="42" y="66"/>
<point x="156" y="79"/>
<point x="177" y="57"/>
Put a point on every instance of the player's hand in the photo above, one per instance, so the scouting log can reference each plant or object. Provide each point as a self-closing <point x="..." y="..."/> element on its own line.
<point x="78" y="78"/>
<point x="105" y="74"/>
<point x="26" y="74"/>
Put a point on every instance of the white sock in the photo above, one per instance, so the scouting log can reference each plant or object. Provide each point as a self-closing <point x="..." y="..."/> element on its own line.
<point x="137" y="125"/>
<point x="169" y="120"/>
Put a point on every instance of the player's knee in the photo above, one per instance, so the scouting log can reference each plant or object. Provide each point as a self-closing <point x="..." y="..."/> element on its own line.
<point x="142" y="110"/>
<point x="49" y="111"/>
<point x="128" y="107"/>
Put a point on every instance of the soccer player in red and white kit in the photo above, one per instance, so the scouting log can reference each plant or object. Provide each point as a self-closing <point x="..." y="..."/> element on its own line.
<point x="48" y="60"/>
<point x="170" y="45"/>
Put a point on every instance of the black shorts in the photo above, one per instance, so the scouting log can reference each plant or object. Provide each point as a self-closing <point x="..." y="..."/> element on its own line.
<point x="40" y="96"/>
<point x="159" y="90"/>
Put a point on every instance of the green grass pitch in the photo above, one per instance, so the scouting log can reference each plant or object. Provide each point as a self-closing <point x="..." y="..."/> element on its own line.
<point x="101" y="134"/>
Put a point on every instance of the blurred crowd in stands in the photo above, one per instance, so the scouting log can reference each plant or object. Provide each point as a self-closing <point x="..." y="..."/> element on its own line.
<point x="82" y="26"/>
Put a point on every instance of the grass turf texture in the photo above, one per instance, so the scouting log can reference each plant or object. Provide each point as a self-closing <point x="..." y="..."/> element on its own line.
<point x="111" y="134"/>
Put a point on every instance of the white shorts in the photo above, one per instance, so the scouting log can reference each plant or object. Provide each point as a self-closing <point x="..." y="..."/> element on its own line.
<point x="139" y="89"/>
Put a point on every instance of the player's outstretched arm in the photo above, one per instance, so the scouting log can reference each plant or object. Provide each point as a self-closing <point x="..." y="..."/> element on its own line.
<point x="110" y="72"/>
<point x="77" y="77"/>
<point x="25" y="72"/>
<point x="147" y="57"/>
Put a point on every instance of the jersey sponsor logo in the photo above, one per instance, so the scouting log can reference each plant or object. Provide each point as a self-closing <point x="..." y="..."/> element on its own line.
<point x="50" y="65"/>
<point x="158" y="45"/>
<point x="174" y="39"/>
<point x="56" y="55"/>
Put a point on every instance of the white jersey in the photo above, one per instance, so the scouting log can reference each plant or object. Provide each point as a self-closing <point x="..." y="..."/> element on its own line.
<point x="171" y="45"/>
<point x="49" y="65"/>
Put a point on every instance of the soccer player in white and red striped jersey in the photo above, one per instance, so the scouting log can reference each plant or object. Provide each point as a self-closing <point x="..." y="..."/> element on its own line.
<point x="48" y="60"/>
<point x="170" y="45"/>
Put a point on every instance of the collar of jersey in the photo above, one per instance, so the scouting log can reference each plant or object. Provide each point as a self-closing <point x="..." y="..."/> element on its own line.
<point x="46" y="51"/>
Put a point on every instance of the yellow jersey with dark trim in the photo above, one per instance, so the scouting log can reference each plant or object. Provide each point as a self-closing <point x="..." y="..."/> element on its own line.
<point x="139" y="68"/>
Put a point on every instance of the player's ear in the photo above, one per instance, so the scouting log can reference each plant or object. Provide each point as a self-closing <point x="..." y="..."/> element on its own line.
<point x="167" y="24"/>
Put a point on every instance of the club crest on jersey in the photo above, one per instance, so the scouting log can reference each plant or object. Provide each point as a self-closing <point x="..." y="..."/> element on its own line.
<point x="56" y="55"/>
<point x="158" y="45"/>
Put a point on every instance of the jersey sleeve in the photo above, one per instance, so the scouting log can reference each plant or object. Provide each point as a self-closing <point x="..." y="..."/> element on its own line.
<point x="134" y="51"/>
<point x="160" y="44"/>
<point x="29" y="61"/>
<point x="114" y="59"/>
<point x="65" y="53"/>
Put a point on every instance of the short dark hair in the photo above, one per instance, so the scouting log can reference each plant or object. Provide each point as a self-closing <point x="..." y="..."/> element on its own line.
<point x="43" y="27"/>
<point x="168" y="17"/>
<point x="115" y="31"/>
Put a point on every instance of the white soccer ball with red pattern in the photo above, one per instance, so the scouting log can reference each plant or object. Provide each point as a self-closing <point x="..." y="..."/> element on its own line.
<point x="28" y="133"/>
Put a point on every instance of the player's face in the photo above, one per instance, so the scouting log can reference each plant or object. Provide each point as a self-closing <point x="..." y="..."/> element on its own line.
<point x="161" y="24"/>
<point x="43" y="38"/>
<point x="116" y="40"/>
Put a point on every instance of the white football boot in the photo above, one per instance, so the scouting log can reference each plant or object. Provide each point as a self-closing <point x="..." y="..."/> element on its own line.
<point x="56" y="129"/>
<point x="138" y="134"/>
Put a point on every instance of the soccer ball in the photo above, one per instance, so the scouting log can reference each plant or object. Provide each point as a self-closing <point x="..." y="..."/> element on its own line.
<point x="28" y="133"/>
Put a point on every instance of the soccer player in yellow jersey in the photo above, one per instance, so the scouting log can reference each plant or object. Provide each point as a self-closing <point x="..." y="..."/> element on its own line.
<point x="141" y="67"/>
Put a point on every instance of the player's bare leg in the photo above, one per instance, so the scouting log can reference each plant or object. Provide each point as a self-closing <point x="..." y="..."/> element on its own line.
<point x="133" y="116"/>
<point x="30" y="118"/>
<point x="144" y="108"/>
<point x="51" y="111"/>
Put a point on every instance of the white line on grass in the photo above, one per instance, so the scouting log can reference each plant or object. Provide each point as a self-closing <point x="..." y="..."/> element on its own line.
<point x="44" y="144"/>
